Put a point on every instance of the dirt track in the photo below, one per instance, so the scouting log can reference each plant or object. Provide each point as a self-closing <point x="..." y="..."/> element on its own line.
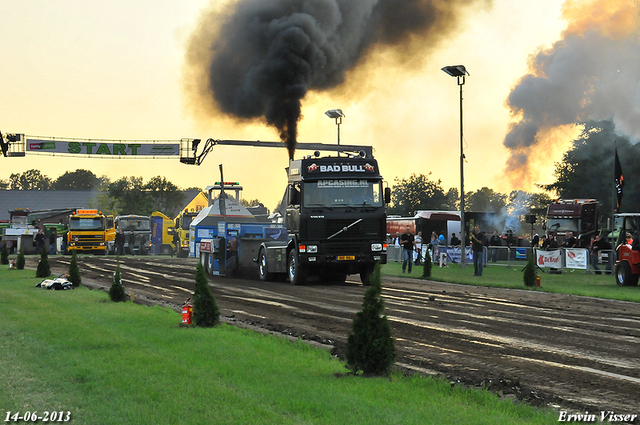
<point x="561" y="350"/>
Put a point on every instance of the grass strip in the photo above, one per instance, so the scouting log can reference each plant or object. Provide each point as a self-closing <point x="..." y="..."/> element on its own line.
<point x="574" y="282"/>
<point x="122" y="363"/>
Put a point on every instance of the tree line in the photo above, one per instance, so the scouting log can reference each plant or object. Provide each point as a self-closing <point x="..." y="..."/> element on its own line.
<point x="126" y="195"/>
<point x="585" y="171"/>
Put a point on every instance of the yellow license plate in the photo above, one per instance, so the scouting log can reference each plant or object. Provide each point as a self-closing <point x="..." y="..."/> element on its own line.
<point x="346" y="257"/>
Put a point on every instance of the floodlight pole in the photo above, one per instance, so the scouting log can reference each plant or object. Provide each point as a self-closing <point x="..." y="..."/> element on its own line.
<point x="338" y="122"/>
<point x="463" y="257"/>
<point x="459" y="71"/>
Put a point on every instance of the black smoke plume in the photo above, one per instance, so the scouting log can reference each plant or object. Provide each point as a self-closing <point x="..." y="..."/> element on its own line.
<point x="259" y="58"/>
<point x="591" y="73"/>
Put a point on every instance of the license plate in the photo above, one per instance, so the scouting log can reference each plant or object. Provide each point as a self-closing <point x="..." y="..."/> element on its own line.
<point x="346" y="257"/>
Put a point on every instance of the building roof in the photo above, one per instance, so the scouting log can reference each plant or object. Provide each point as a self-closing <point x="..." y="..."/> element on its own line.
<point x="47" y="200"/>
<point x="39" y="200"/>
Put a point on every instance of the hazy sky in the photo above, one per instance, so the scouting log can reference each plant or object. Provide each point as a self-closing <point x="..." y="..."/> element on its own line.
<point x="114" y="70"/>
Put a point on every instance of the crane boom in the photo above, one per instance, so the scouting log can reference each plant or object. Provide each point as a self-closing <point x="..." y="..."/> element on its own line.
<point x="189" y="148"/>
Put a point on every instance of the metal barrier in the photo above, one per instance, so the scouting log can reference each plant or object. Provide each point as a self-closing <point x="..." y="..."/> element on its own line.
<point x="516" y="256"/>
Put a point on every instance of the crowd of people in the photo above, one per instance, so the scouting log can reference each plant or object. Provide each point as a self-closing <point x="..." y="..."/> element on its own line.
<point x="413" y="252"/>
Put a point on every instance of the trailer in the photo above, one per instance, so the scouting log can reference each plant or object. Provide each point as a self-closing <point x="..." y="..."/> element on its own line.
<point x="162" y="232"/>
<point x="578" y="216"/>
<point x="18" y="233"/>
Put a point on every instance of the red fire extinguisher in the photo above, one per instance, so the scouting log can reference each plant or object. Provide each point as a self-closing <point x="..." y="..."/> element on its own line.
<point x="187" y="312"/>
<point x="538" y="280"/>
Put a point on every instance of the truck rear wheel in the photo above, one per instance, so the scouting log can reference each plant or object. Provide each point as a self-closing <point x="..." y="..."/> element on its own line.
<point x="297" y="273"/>
<point x="624" y="276"/>
<point x="263" y="272"/>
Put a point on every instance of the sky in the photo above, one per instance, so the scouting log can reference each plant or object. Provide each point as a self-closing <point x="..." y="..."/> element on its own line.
<point x="118" y="70"/>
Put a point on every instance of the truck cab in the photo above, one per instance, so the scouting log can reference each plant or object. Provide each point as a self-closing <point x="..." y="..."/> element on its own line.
<point x="140" y="225"/>
<point x="579" y="216"/>
<point x="91" y="231"/>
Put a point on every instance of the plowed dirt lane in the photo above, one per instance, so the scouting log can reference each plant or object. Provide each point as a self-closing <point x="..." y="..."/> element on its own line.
<point x="542" y="348"/>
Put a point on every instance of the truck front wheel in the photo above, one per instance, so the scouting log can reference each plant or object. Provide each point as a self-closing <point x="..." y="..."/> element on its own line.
<point x="624" y="276"/>
<point x="297" y="274"/>
<point x="265" y="276"/>
<point x="365" y="275"/>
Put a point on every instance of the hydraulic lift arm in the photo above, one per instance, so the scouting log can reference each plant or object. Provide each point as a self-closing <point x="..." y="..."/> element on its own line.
<point x="189" y="148"/>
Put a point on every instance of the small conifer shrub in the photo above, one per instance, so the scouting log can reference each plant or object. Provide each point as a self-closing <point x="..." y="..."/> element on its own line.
<point x="74" y="271"/>
<point x="116" y="292"/>
<point x="4" y="257"/>
<point x="370" y="347"/>
<point x="205" y="309"/>
<point x="20" y="260"/>
<point x="529" y="275"/>
<point x="43" y="270"/>
<point x="428" y="265"/>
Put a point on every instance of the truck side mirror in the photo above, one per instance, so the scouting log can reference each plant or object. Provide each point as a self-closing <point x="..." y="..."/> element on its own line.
<point x="294" y="197"/>
<point x="387" y="195"/>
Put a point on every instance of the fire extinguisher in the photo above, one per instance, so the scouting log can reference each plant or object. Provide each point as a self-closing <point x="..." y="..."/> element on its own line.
<point x="187" y="312"/>
<point x="538" y="280"/>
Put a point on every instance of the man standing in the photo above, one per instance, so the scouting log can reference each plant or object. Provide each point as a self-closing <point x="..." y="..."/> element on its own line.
<point x="535" y="240"/>
<point x="570" y="241"/>
<point x="39" y="241"/>
<point x="120" y="242"/>
<point x="418" y="248"/>
<point x="132" y="241"/>
<point x="478" y="240"/>
<point x="495" y="241"/>
<point x="596" y="246"/>
<point x="53" y="242"/>
<point x="408" y="243"/>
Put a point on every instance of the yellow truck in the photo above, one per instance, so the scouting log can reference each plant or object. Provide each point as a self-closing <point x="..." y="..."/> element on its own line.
<point x="91" y="231"/>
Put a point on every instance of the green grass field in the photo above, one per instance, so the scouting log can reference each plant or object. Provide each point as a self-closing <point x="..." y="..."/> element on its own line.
<point x="575" y="282"/>
<point x="108" y="363"/>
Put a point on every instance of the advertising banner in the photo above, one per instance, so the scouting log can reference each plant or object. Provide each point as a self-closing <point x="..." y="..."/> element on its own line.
<point x="454" y="254"/>
<point x="575" y="258"/>
<point x="549" y="259"/>
<point x="102" y="148"/>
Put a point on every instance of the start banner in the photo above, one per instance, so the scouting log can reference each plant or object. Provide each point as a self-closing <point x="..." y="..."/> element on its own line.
<point x="549" y="259"/>
<point x="103" y="148"/>
<point x="575" y="258"/>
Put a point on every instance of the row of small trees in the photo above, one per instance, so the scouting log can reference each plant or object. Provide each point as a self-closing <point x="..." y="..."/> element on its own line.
<point x="370" y="346"/>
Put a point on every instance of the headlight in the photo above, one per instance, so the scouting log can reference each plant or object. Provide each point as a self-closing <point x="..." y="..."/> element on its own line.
<point x="376" y="247"/>
<point x="312" y="249"/>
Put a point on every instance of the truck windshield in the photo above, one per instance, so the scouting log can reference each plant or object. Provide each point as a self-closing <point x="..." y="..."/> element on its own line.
<point x="143" y="224"/>
<point x="337" y="193"/>
<point x="186" y="220"/>
<point x="20" y="220"/>
<point x="563" y="225"/>
<point x="77" y="223"/>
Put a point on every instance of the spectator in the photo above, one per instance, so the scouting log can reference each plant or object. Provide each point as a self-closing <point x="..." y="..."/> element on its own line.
<point x="478" y="241"/>
<point x="408" y="242"/>
<point x="494" y="241"/>
<point x="53" y="242"/>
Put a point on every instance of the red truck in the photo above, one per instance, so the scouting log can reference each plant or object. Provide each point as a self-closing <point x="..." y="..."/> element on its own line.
<point x="579" y="216"/>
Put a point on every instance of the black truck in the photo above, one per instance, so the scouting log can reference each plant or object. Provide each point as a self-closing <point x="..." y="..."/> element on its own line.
<point x="334" y="214"/>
